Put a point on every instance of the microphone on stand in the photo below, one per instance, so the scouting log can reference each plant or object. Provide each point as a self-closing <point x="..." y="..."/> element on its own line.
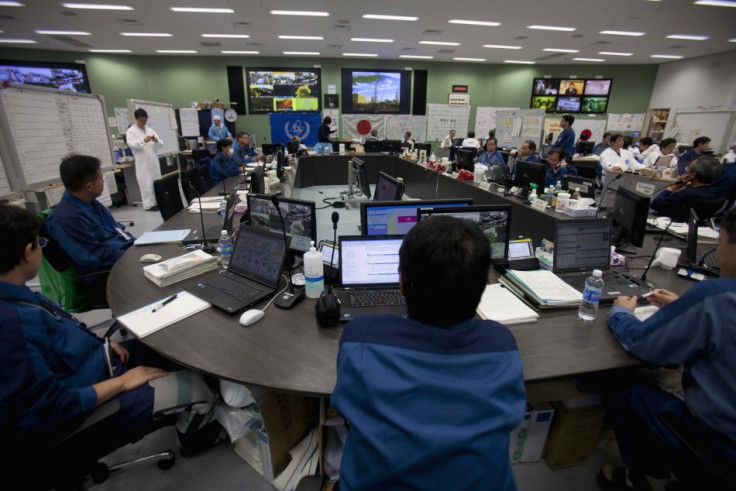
<point x="294" y="294"/>
<point x="205" y="246"/>
<point x="680" y="213"/>
<point x="605" y="188"/>
<point x="328" y="305"/>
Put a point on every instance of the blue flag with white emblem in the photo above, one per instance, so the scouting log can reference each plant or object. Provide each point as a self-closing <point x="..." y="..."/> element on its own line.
<point x="285" y="126"/>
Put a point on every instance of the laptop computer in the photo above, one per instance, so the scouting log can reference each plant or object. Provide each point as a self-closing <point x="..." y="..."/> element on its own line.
<point x="212" y="233"/>
<point x="584" y="245"/>
<point x="252" y="275"/>
<point x="663" y="161"/>
<point x="369" y="276"/>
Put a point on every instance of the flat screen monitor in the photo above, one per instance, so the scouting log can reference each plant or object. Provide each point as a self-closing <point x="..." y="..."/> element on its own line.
<point x="545" y="86"/>
<point x="258" y="181"/>
<point x="571" y="87"/>
<point x="588" y="170"/>
<point x="372" y="146"/>
<point x="568" y="104"/>
<point x="398" y="217"/>
<point x="546" y="102"/>
<point x="376" y="91"/>
<point x="360" y="175"/>
<point x="584" y="187"/>
<point x="292" y="147"/>
<point x="388" y="188"/>
<point x="62" y="76"/>
<point x="336" y="146"/>
<point x="423" y="146"/>
<point x="493" y="221"/>
<point x="393" y="146"/>
<point x="528" y="173"/>
<point x="300" y="220"/>
<point x="272" y="148"/>
<point x="465" y="159"/>
<point x="630" y="212"/>
<point x="594" y="105"/>
<point x="585" y="148"/>
<point x="599" y="86"/>
<point x="284" y="90"/>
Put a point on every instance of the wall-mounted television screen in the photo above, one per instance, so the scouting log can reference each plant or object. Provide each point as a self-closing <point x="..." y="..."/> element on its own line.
<point x="545" y="86"/>
<point x="566" y="104"/>
<point x="376" y="91"/>
<point x="571" y="87"/>
<point x="284" y="90"/>
<point x="594" y="105"/>
<point x="600" y="87"/>
<point x="62" y="76"/>
<point x="548" y="103"/>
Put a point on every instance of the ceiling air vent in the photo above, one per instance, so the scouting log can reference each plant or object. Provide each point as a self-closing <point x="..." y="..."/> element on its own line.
<point x="432" y="32"/>
<point x="210" y="44"/>
<point x="129" y="22"/>
<point x="408" y="49"/>
<point x="341" y="27"/>
<point x="445" y="50"/>
<point x="241" y="24"/>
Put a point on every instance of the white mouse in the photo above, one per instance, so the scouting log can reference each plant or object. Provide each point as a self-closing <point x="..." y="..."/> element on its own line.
<point x="150" y="258"/>
<point x="251" y="316"/>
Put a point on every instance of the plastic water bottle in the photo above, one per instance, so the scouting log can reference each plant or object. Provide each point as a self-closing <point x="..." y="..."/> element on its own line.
<point x="314" y="276"/>
<point x="591" y="296"/>
<point x="223" y="208"/>
<point x="226" y="248"/>
<point x="557" y="190"/>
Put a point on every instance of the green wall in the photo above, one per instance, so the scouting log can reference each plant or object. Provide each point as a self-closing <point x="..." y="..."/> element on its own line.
<point x="179" y="80"/>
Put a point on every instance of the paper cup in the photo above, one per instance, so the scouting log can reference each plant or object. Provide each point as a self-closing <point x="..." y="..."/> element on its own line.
<point x="562" y="200"/>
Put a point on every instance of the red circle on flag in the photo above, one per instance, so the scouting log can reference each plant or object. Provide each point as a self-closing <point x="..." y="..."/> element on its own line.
<point x="364" y="127"/>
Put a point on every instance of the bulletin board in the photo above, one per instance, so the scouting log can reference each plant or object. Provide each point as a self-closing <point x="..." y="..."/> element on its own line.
<point x="515" y="127"/>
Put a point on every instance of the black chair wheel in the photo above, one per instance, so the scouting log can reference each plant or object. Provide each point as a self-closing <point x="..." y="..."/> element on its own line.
<point x="166" y="464"/>
<point x="100" y="473"/>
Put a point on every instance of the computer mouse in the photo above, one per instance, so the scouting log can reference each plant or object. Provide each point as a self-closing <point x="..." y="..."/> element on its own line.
<point x="251" y="316"/>
<point x="150" y="258"/>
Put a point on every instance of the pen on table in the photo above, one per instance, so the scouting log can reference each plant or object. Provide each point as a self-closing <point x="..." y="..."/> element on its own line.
<point x="162" y="304"/>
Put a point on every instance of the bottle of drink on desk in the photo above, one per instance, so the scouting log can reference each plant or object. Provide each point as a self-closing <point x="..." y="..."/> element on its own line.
<point x="314" y="276"/>
<point x="591" y="296"/>
<point x="226" y="248"/>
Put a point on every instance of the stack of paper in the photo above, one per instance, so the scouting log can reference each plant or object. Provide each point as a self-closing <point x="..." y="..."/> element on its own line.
<point x="162" y="237"/>
<point x="155" y="316"/>
<point x="543" y="288"/>
<point x="500" y="305"/>
<point x="180" y="268"/>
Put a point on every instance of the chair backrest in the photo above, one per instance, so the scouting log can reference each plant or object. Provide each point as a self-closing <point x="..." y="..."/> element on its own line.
<point x="190" y="179"/>
<point x="205" y="180"/>
<point x="168" y="197"/>
<point x="200" y="154"/>
<point x="588" y="170"/>
<point x="706" y="209"/>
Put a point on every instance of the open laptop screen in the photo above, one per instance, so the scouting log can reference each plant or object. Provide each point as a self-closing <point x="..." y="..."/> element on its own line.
<point x="259" y="255"/>
<point x="369" y="260"/>
<point x="582" y="245"/>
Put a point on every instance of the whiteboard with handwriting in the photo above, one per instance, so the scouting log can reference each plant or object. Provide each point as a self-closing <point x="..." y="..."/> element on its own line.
<point x="441" y="118"/>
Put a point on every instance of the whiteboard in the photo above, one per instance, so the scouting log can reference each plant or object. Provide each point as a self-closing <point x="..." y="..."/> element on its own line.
<point x="625" y="122"/>
<point x="162" y="119"/>
<point x="515" y="127"/>
<point x="716" y="125"/>
<point x="441" y="118"/>
<point x="189" y="118"/>
<point x="39" y="126"/>
<point x="122" y="119"/>
<point x="398" y="124"/>
<point x="485" y="119"/>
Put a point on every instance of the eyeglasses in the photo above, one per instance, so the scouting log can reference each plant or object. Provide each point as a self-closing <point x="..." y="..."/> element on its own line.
<point x="42" y="241"/>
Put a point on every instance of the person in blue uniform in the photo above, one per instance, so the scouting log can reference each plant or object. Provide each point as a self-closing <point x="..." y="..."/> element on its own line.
<point x="218" y="131"/>
<point x="431" y="398"/>
<point x="84" y="227"/>
<point x="700" y="145"/>
<point x="566" y="138"/>
<point x="223" y="164"/>
<point x="324" y="145"/>
<point x="697" y="330"/>
<point x="54" y="371"/>
<point x="603" y="144"/>
<point x="243" y="152"/>
<point x="558" y="169"/>
<point x="490" y="156"/>
<point x="693" y="187"/>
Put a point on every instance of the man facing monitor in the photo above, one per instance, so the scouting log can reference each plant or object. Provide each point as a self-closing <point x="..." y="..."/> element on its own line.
<point x="449" y="361"/>
<point x="447" y="141"/>
<point x="490" y="156"/>
<point x="407" y="141"/>
<point x="558" y="169"/>
<point x="243" y="151"/>
<point x="223" y="165"/>
<point x="470" y="141"/>
<point x="692" y="188"/>
<point x="526" y="152"/>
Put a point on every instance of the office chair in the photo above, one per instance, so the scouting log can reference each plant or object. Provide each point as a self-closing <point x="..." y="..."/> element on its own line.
<point x="706" y="209"/>
<point x="167" y="195"/>
<point x="200" y="154"/>
<point x="205" y="180"/>
<point x="191" y="176"/>
<point x="61" y="282"/>
<point x="713" y="470"/>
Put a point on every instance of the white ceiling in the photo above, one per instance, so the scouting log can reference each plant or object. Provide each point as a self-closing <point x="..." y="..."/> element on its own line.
<point x="252" y="17"/>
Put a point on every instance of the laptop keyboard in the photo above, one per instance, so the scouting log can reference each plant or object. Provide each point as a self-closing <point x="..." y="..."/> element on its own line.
<point x="375" y="298"/>
<point x="610" y="279"/>
<point x="235" y="286"/>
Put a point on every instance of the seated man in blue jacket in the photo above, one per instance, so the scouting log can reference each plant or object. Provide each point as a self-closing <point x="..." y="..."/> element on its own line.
<point x="431" y="398"/>
<point x="243" y="152"/>
<point x="698" y="331"/>
<point x="690" y="189"/>
<point x="83" y="226"/>
<point x="490" y="156"/>
<point x="223" y="164"/>
<point x="54" y="371"/>
<point x="558" y="168"/>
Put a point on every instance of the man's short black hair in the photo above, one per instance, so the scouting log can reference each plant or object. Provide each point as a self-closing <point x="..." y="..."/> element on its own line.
<point x="646" y="141"/>
<point x="531" y="144"/>
<point x="701" y="140"/>
<point x="569" y="118"/>
<point x="408" y="133"/>
<point x="492" y="138"/>
<point x="241" y="134"/>
<point x="78" y="170"/>
<point x="667" y="142"/>
<point x="729" y="225"/>
<point x="448" y="258"/>
<point x="471" y="134"/>
<point x="707" y="168"/>
<point x="140" y="113"/>
<point x="606" y="134"/>
<point x="222" y="143"/>
<point x="559" y="151"/>
<point x="616" y="137"/>
<point x="628" y="141"/>
<point x="18" y="227"/>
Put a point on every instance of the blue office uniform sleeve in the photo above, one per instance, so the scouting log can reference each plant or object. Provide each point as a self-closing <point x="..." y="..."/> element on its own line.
<point x="223" y="166"/>
<point x="566" y="140"/>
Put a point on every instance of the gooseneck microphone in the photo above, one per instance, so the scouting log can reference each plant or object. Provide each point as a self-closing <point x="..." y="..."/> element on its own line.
<point x="605" y="188"/>
<point x="205" y="246"/>
<point x="651" y="260"/>
<point x="328" y="305"/>
<point x="294" y="295"/>
<point x="335" y="219"/>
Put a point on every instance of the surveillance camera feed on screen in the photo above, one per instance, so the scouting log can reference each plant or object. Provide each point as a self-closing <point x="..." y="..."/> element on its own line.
<point x="283" y="90"/>
<point x="55" y="77"/>
<point x="376" y="92"/>
<point x="299" y="219"/>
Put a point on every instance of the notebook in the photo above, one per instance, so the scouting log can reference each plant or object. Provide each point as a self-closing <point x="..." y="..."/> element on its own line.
<point x="212" y="233"/>
<point x="252" y="275"/>
<point x="585" y="245"/>
<point x="369" y="276"/>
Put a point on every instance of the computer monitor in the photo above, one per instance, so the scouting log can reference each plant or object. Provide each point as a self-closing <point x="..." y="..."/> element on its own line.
<point x="271" y="148"/>
<point x="398" y="217"/>
<point x="258" y="180"/>
<point x="336" y="146"/>
<point x="585" y="148"/>
<point x="465" y="159"/>
<point x="458" y="142"/>
<point x="360" y="176"/>
<point x="586" y="187"/>
<point x="392" y="146"/>
<point x="493" y="221"/>
<point x="588" y="170"/>
<point x="372" y="146"/>
<point x="388" y="188"/>
<point x="300" y="219"/>
<point x="423" y="146"/>
<point x="292" y="147"/>
<point x="528" y="173"/>
<point x="630" y="212"/>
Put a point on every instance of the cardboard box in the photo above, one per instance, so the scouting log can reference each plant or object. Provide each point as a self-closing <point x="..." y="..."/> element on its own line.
<point x="575" y="432"/>
<point x="285" y="420"/>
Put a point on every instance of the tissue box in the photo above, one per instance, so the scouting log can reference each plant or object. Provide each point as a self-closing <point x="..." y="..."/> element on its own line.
<point x="585" y="212"/>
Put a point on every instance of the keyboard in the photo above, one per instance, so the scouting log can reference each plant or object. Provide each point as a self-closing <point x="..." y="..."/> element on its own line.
<point x="610" y="279"/>
<point x="376" y="298"/>
<point x="212" y="234"/>
<point x="235" y="286"/>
